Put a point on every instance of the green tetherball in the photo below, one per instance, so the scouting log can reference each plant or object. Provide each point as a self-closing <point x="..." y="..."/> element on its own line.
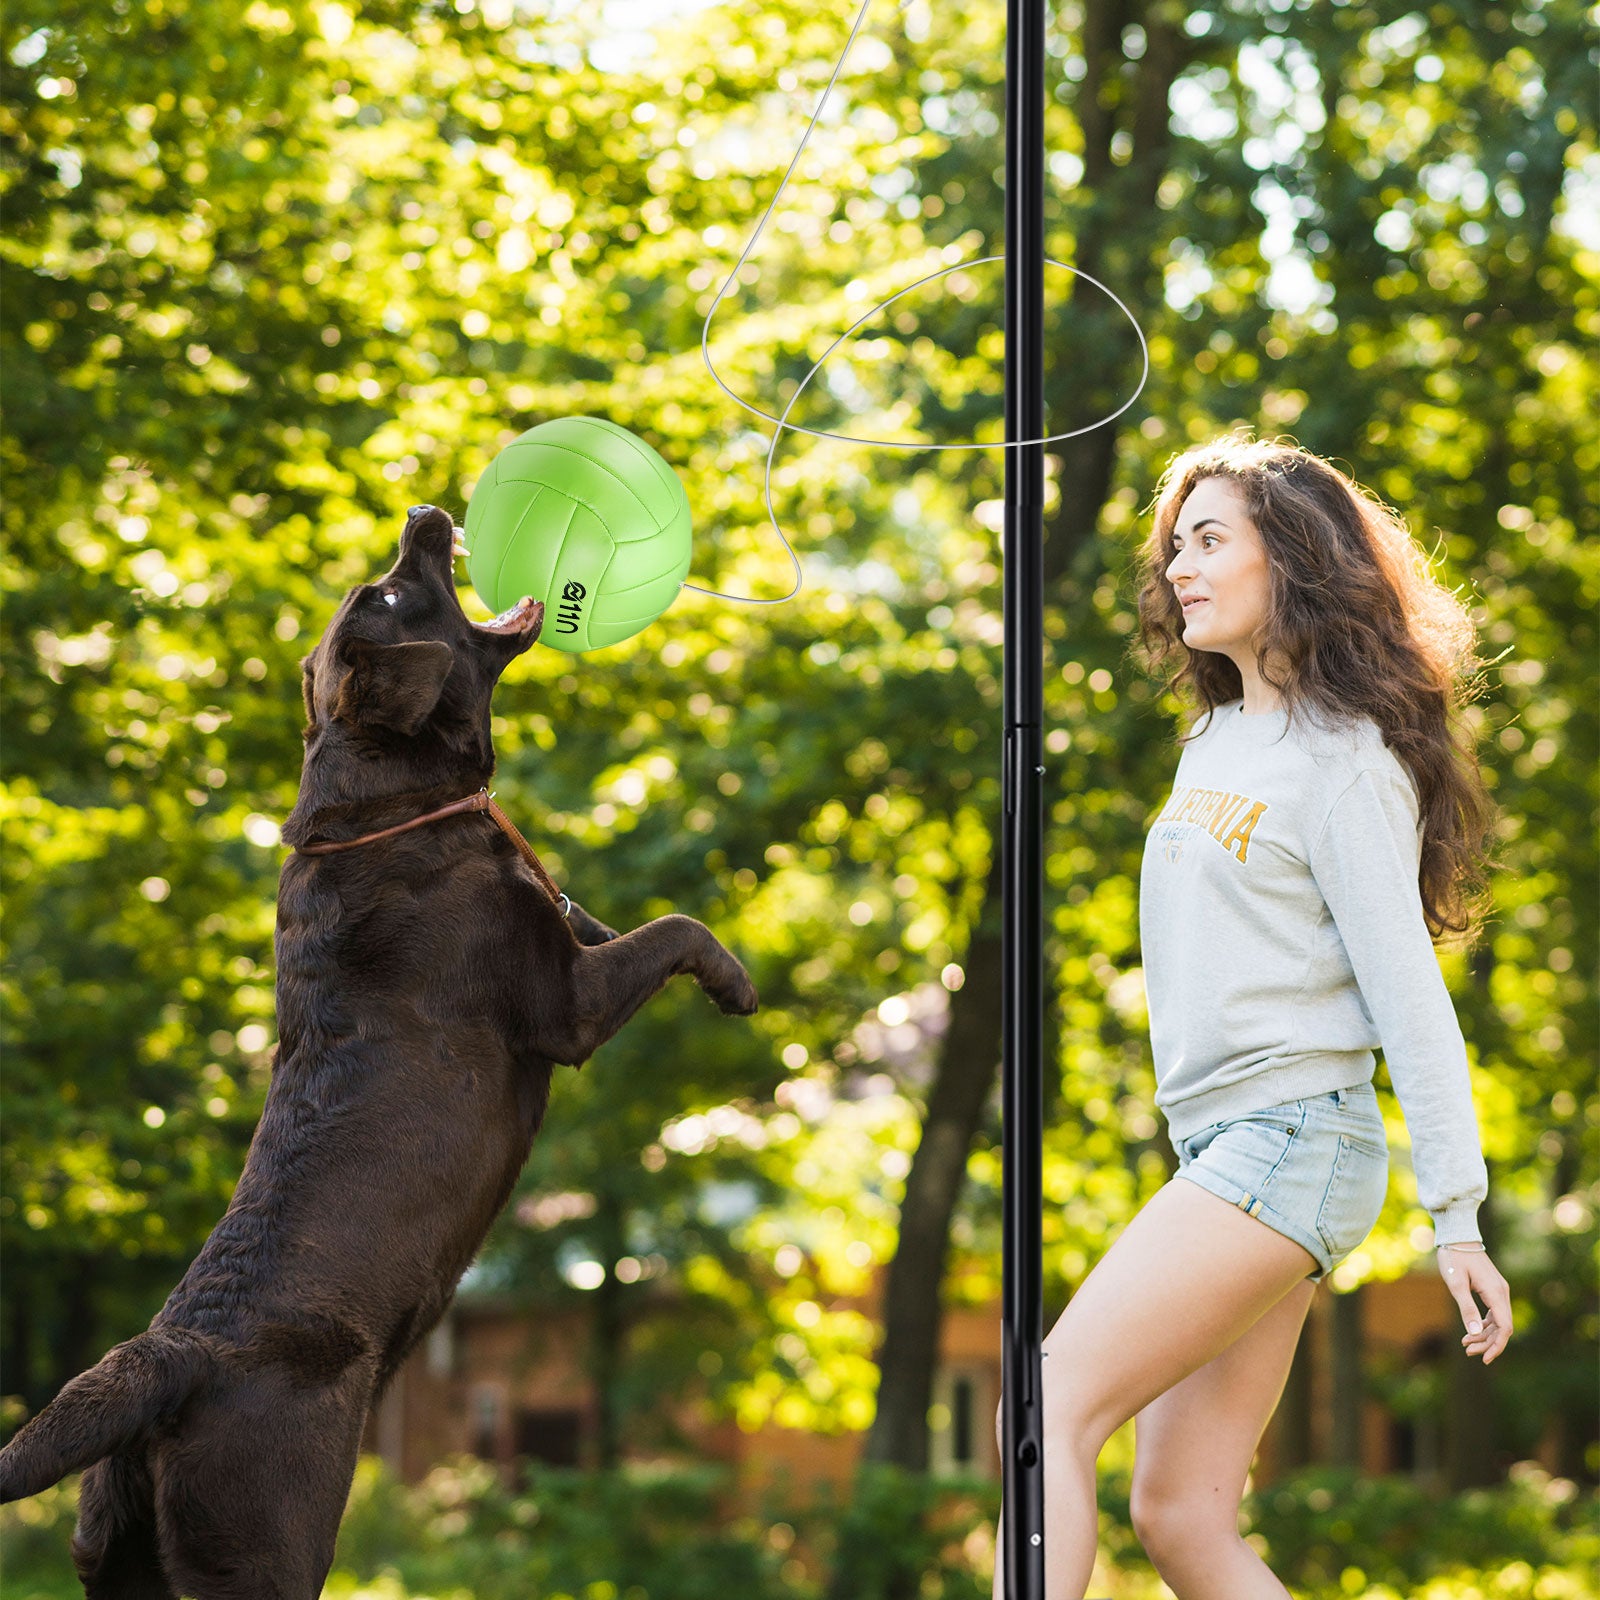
<point x="587" y="517"/>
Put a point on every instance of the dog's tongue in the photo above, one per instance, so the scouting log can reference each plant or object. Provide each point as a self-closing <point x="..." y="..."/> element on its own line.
<point x="525" y="614"/>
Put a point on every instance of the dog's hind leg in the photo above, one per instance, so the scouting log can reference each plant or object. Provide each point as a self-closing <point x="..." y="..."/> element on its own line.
<point x="249" y="1502"/>
<point x="114" y="1547"/>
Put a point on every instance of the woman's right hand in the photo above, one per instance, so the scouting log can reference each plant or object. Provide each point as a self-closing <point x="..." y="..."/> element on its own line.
<point x="1466" y="1272"/>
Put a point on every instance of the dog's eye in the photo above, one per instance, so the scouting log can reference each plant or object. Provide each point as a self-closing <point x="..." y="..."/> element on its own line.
<point x="391" y="597"/>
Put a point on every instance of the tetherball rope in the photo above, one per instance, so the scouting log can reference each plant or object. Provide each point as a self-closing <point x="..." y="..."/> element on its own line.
<point x="782" y="423"/>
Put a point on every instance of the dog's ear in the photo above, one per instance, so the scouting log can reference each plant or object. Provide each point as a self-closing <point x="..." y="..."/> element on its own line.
<point x="392" y="685"/>
<point x="308" y="687"/>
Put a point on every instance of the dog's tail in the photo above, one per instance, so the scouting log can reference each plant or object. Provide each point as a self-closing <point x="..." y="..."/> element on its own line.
<point x="105" y="1409"/>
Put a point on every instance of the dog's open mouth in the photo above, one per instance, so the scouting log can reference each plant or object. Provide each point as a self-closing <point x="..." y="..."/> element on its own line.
<point x="526" y="616"/>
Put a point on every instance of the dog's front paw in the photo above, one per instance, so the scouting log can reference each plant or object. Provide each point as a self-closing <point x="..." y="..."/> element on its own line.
<point x="736" y="995"/>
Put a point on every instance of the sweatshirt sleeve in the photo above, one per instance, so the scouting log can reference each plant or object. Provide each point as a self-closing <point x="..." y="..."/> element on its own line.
<point x="1365" y="862"/>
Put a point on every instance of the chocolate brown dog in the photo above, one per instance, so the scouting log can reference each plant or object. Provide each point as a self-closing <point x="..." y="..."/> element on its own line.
<point x="427" y="981"/>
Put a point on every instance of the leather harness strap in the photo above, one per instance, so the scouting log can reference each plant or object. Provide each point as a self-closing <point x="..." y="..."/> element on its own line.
<point x="481" y="801"/>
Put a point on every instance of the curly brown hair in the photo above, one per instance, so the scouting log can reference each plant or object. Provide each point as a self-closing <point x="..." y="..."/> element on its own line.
<point x="1357" y="625"/>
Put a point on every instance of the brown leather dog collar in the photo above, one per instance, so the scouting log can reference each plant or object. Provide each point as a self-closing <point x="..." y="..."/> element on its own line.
<point x="483" y="800"/>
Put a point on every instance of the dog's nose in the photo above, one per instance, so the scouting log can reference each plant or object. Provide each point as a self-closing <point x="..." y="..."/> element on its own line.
<point x="413" y="512"/>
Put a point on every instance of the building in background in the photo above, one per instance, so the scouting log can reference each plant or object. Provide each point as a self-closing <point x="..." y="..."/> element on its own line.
<point x="509" y="1384"/>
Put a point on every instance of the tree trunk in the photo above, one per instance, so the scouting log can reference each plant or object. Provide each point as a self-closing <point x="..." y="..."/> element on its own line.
<point x="1292" y="1422"/>
<point x="16" y="1362"/>
<point x="76" y="1347"/>
<point x="609" y="1332"/>
<point x="1470" y="1436"/>
<point x="911" y="1307"/>
<point x="1349" y="1390"/>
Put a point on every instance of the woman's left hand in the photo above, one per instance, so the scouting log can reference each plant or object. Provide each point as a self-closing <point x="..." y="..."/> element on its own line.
<point x="1466" y="1272"/>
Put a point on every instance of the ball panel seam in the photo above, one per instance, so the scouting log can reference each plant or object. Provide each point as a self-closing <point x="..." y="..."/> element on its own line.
<point x="511" y="544"/>
<point x="546" y="444"/>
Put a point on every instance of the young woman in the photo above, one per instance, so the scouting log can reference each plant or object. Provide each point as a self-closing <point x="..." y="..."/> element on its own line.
<point x="1323" y="828"/>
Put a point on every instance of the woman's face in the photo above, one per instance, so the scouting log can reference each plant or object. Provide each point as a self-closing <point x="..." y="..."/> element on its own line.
<point x="1220" y="571"/>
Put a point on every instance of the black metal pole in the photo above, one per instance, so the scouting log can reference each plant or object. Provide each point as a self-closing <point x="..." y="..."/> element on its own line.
<point x="1022" y="823"/>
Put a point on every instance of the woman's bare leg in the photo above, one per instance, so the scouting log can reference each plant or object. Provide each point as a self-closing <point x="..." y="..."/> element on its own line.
<point x="1194" y="1447"/>
<point x="1185" y="1279"/>
<point x="1071" y="1515"/>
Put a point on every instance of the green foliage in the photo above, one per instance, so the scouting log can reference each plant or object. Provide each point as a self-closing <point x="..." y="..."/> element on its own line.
<point x="1322" y="1522"/>
<point x="271" y="278"/>
<point x="639" y="1535"/>
<point x="893" y="1522"/>
<point x="657" y="1535"/>
<point x="34" y="1536"/>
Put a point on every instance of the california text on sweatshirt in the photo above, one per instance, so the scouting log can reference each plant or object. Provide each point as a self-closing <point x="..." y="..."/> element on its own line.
<point x="1284" y="940"/>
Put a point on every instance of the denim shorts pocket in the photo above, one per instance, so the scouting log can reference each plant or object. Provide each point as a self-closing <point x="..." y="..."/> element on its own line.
<point x="1263" y="1139"/>
<point x="1363" y="1126"/>
<point x="1372" y="1144"/>
<point x="1354" y="1196"/>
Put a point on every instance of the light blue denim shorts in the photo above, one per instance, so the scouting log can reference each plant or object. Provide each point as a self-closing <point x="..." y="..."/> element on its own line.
<point x="1314" y="1170"/>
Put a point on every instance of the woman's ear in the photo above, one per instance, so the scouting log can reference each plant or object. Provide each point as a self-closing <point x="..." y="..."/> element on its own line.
<point x="392" y="685"/>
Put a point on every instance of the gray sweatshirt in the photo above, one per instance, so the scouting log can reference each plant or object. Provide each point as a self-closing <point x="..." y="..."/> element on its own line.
<point x="1284" y="939"/>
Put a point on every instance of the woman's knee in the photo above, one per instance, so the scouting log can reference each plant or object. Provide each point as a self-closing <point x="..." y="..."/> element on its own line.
<point x="1074" y="1416"/>
<point x="1173" y="1523"/>
<point x="1159" y="1522"/>
<point x="1066" y="1429"/>
<point x="1148" y="1510"/>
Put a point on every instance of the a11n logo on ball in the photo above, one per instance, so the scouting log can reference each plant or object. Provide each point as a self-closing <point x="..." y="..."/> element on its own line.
<point x="571" y="608"/>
